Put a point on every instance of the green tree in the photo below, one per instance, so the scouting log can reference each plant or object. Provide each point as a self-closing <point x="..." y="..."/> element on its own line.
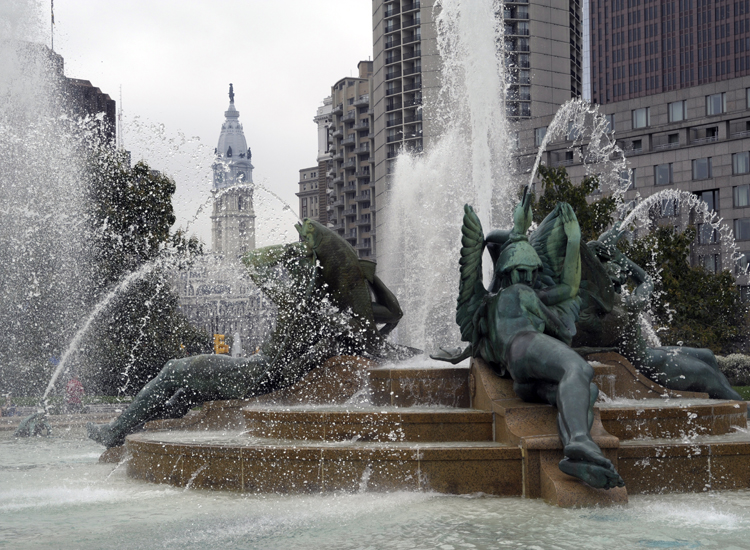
<point x="131" y="217"/>
<point x="693" y="306"/>
<point x="131" y="214"/>
<point x="593" y="217"/>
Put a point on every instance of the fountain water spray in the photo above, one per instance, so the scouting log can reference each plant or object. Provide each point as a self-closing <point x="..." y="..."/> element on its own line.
<point x="467" y="163"/>
<point x="578" y="121"/>
<point x="639" y="214"/>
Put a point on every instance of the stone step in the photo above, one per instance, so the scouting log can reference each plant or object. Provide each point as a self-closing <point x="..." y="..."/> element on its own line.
<point x="257" y="446"/>
<point x="232" y="461"/>
<point x="661" y="418"/>
<point x="382" y="424"/>
<point x="691" y="465"/>
<point x="435" y="384"/>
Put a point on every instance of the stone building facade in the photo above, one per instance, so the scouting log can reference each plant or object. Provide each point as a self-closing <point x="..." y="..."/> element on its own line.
<point x="233" y="216"/>
<point x="309" y="194"/>
<point x="349" y="202"/>
<point x="696" y="140"/>
<point x="342" y="196"/>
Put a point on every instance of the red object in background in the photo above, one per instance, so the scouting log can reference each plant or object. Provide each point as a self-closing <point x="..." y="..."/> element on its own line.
<point x="74" y="392"/>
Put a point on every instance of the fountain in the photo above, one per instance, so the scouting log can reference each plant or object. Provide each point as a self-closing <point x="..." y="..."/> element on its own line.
<point x="358" y="451"/>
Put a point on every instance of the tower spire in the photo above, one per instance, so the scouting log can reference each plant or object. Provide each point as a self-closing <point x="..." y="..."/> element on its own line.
<point x="231" y="93"/>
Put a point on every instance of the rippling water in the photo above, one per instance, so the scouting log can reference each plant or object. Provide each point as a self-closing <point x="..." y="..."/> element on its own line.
<point x="54" y="494"/>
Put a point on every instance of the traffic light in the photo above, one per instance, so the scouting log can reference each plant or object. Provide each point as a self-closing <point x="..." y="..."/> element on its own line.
<point x="219" y="345"/>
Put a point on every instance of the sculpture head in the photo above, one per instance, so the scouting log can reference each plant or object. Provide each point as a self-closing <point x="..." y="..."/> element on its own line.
<point x="312" y="233"/>
<point x="518" y="263"/>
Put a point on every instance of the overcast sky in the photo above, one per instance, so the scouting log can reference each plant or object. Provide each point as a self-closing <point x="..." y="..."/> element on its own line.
<point x="175" y="59"/>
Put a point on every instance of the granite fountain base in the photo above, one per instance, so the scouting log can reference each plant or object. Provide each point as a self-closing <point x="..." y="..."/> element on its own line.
<point x="448" y="429"/>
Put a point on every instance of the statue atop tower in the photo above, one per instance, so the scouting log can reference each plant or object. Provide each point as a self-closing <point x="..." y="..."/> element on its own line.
<point x="233" y="217"/>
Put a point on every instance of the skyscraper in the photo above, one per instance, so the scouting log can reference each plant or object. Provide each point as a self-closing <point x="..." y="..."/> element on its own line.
<point x="349" y="199"/>
<point x="645" y="47"/>
<point x="544" y="59"/>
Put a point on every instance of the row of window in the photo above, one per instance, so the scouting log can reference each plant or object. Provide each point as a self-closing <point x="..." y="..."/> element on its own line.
<point x="663" y="176"/>
<point x="677" y="110"/>
<point x="701" y="168"/>
<point x="716" y="104"/>
<point x="669" y="208"/>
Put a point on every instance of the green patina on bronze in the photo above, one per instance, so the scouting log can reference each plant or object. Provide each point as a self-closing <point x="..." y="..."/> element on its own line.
<point x="549" y="293"/>
<point x="350" y="280"/>
<point x="611" y="317"/>
<point x="324" y="298"/>
<point x="523" y="325"/>
<point x="33" y="425"/>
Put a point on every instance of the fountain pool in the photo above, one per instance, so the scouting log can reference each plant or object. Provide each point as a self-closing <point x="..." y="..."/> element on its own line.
<point x="55" y="494"/>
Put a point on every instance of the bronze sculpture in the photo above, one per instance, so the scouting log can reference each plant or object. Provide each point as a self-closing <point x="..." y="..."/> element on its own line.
<point x="615" y="322"/>
<point x="322" y="293"/>
<point x="524" y="324"/>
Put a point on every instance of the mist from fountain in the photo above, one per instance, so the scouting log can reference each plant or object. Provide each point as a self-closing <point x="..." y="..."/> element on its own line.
<point x="101" y="306"/>
<point x="470" y="161"/>
<point x="49" y="277"/>
<point x="43" y="254"/>
<point x="580" y="122"/>
<point x="467" y="163"/>
<point x="639" y="216"/>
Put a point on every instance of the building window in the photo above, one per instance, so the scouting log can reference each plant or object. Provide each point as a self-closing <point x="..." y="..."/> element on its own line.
<point x="539" y="134"/>
<point x="670" y="208"/>
<point x="610" y="119"/>
<point x="710" y="262"/>
<point x="742" y="229"/>
<point x="239" y="203"/>
<point x="747" y="98"/>
<point x="740" y="267"/>
<point x="702" y="169"/>
<point x="741" y="163"/>
<point x="707" y="234"/>
<point x="677" y="111"/>
<point x="716" y="104"/>
<point x="573" y="132"/>
<point x="663" y="174"/>
<point x="711" y="198"/>
<point x="741" y="196"/>
<point x="642" y="117"/>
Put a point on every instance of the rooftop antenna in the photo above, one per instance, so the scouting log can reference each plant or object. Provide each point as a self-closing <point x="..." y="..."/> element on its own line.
<point x="52" y="25"/>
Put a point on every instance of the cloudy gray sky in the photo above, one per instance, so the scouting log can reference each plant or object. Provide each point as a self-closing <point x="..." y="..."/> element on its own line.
<point x="174" y="60"/>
